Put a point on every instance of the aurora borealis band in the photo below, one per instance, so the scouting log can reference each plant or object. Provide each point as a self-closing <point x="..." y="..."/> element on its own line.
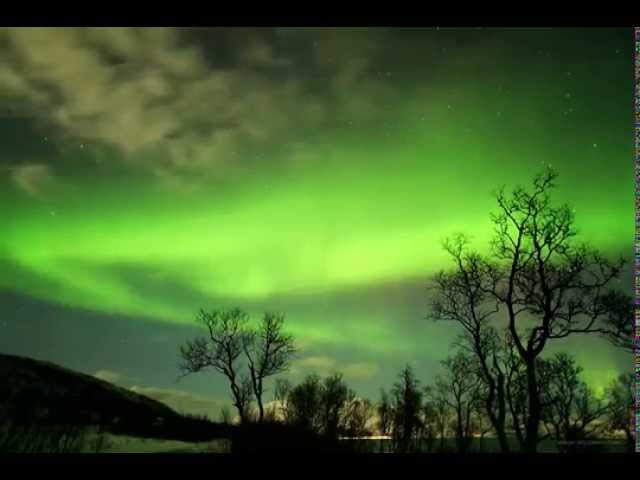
<point x="149" y="172"/>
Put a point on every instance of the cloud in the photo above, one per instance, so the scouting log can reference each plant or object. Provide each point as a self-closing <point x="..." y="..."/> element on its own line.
<point x="360" y="370"/>
<point x="324" y="365"/>
<point x="108" y="376"/>
<point x="32" y="178"/>
<point x="181" y="401"/>
<point x="317" y="362"/>
<point x="169" y="103"/>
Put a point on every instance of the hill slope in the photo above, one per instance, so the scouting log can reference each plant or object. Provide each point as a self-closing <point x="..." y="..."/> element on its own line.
<point x="37" y="392"/>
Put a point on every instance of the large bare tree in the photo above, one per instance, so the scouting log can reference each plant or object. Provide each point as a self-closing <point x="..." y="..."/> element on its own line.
<point x="547" y="285"/>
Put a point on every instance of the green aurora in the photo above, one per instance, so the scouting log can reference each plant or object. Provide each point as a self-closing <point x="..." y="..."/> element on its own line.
<point x="310" y="221"/>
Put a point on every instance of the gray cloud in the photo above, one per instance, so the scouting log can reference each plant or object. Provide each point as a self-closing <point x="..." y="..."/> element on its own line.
<point x="169" y="106"/>
<point x="325" y="365"/>
<point x="108" y="376"/>
<point x="32" y="178"/>
<point x="181" y="401"/>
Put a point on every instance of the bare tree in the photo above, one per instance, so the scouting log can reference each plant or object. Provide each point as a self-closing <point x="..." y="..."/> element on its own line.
<point x="282" y="390"/>
<point x="357" y="417"/>
<point x="570" y="410"/>
<point x="621" y="404"/>
<point x="461" y="390"/>
<point x="269" y="351"/>
<point x="334" y="396"/>
<point x="549" y="286"/>
<point x="221" y="351"/>
<point x="463" y="295"/>
<point x="305" y="404"/>
<point x="385" y="415"/>
<point x="437" y="412"/>
<point x="619" y="322"/>
<point x="407" y="401"/>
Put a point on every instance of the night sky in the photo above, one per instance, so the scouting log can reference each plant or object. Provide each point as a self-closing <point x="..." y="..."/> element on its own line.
<point x="145" y="173"/>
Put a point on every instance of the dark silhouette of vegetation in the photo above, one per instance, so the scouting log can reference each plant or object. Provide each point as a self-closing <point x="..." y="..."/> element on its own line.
<point x="327" y="407"/>
<point x="267" y="350"/>
<point x="406" y="404"/>
<point x="548" y="286"/>
<point x="570" y="409"/>
<point x="267" y="437"/>
<point x="463" y="295"/>
<point x="619" y="324"/>
<point x="460" y="388"/>
<point x="385" y="416"/>
<point x="334" y="396"/>
<point x="437" y="413"/>
<point x="621" y="403"/>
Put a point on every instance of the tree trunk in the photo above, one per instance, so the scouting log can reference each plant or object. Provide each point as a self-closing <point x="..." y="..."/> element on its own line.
<point x="630" y="441"/>
<point x="260" y="408"/>
<point x="501" y="418"/>
<point x="533" y="419"/>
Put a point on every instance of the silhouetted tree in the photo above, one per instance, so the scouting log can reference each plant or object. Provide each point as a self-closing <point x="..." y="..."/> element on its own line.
<point x="463" y="295"/>
<point x="550" y="287"/>
<point x="355" y="422"/>
<point x="437" y="412"/>
<point x="570" y="410"/>
<point x="334" y="395"/>
<point x="619" y="320"/>
<point x="268" y="351"/>
<point x="282" y="390"/>
<point x="621" y="405"/>
<point x="356" y="418"/>
<point x="385" y="415"/>
<point x="407" y="409"/>
<point x="460" y="388"/>
<point x="305" y="406"/>
<point x="221" y="351"/>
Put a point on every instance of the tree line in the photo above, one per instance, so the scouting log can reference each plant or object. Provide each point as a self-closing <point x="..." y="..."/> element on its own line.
<point x="536" y="285"/>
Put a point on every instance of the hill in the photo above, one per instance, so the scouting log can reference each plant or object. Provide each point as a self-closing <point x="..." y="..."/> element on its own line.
<point x="36" y="393"/>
